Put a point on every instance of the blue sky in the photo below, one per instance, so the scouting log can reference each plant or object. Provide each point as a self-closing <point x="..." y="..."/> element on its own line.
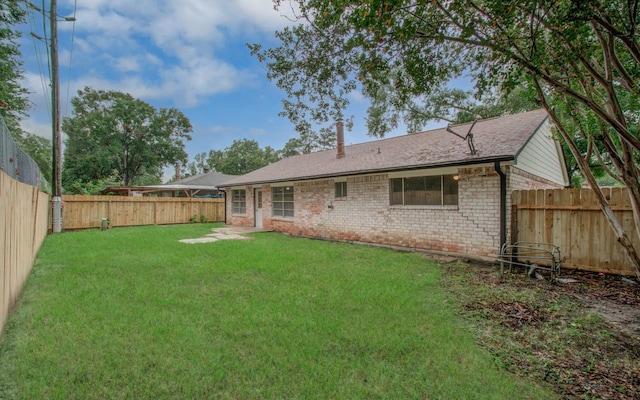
<point x="188" y="54"/>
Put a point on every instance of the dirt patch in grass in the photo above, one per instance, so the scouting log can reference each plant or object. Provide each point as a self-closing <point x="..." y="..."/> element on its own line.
<point x="582" y="338"/>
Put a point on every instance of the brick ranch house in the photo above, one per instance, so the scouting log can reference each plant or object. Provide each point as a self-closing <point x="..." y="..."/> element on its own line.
<point x="445" y="190"/>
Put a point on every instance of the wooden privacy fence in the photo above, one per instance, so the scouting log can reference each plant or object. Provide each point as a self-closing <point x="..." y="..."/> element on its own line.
<point x="24" y="214"/>
<point x="572" y="219"/>
<point x="81" y="212"/>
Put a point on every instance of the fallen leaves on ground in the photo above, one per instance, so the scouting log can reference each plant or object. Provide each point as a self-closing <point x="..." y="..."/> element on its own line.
<point x="550" y="332"/>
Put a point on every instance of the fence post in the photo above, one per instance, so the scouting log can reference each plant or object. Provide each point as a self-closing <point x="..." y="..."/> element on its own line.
<point x="514" y="223"/>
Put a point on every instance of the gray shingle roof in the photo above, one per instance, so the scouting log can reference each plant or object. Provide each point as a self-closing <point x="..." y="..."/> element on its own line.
<point x="207" y="179"/>
<point x="495" y="139"/>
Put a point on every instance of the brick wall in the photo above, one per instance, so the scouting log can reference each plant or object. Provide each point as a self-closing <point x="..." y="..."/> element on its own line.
<point x="518" y="179"/>
<point x="245" y="219"/>
<point x="470" y="228"/>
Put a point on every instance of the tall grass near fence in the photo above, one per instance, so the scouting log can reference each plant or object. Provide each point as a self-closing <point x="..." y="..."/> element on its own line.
<point x="133" y="313"/>
<point x="24" y="214"/>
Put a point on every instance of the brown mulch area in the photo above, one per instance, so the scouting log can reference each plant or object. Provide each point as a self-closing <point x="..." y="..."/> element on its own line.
<point x="582" y="338"/>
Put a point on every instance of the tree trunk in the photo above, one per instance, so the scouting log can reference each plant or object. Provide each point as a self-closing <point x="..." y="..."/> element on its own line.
<point x="621" y="236"/>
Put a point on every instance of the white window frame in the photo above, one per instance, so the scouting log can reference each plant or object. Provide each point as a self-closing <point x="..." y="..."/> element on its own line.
<point x="238" y="201"/>
<point x="403" y="180"/>
<point x="282" y="201"/>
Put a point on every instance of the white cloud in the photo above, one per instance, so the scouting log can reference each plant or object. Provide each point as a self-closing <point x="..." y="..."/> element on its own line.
<point x="185" y="85"/>
<point x="165" y="49"/>
<point x="177" y="52"/>
<point x="127" y="64"/>
<point x="168" y="21"/>
<point x="37" y="128"/>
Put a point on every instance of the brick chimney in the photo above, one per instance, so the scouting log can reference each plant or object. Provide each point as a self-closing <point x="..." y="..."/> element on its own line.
<point x="340" y="135"/>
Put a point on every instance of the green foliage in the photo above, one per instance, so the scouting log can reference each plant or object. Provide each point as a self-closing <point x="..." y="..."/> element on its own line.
<point x="93" y="187"/>
<point x="198" y="166"/>
<point x="518" y="100"/>
<point x="581" y="58"/>
<point x="112" y="131"/>
<point x="241" y="157"/>
<point x="310" y="141"/>
<point x="148" y="178"/>
<point x="40" y="149"/>
<point x="195" y="218"/>
<point x="14" y="102"/>
<point x="13" y="97"/>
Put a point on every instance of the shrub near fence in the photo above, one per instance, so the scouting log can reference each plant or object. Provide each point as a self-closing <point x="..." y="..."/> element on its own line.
<point x="572" y="219"/>
<point x="81" y="212"/>
<point x="24" y="213"/>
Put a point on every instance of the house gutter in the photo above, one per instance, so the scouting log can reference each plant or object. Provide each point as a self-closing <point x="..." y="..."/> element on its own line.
<point x="503" y="203"/>
<point x="486" y="161"/>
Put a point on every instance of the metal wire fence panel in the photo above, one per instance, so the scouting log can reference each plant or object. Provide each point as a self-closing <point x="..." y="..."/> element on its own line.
<point x="15" y="162"/>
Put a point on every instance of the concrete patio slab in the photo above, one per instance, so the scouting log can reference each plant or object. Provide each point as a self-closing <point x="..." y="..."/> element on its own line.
<point x="224" y="233"/>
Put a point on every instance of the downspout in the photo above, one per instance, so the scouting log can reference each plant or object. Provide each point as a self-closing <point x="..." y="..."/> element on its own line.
<point x="503" y="204"/>
<point x="224" y="196"/>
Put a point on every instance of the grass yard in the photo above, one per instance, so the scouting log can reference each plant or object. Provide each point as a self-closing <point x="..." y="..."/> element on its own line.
<point x="133" y="313"/>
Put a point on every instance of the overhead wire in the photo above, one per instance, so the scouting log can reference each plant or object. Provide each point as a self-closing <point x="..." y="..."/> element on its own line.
<point x="73" y="33"/>
<point x="38" y="41"/>
<point x="46" y="40"/>
<point x="33" y="26"/>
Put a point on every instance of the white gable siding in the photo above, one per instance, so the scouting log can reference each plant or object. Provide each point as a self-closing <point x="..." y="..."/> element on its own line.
<point x="542" y="157"/>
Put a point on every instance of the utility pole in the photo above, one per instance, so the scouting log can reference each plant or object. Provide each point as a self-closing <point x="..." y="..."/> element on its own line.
<point x="55" y="117"/>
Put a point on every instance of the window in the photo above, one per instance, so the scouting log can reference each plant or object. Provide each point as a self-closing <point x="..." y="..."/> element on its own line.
<point x="341" y="189"/>
<point x="239" y="201"/>
<point x="424" y="191"/>
<point x="282" y="201"/>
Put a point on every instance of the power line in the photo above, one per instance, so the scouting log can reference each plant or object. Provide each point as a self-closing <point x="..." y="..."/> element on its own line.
<point x="73" y="33"/>
<point x="44" y="28"/>
<point x="37" y="42"/>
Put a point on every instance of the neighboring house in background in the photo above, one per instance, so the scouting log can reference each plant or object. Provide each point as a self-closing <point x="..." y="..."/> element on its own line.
<point x="201" y="185"/>
<point x="444" y="190"/>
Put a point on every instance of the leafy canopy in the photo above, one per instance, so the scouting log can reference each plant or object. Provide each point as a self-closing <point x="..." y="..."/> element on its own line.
<point x="241" y="157"/>
<point x="13" y="97"/>
<point x="581" y="57"/>
<point x="111" y="136"/>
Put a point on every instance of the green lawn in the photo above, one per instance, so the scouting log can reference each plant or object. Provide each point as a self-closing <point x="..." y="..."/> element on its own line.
<point x="132" y="313"/>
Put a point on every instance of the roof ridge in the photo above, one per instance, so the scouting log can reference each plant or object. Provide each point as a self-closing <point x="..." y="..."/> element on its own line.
<point x="377" y="140"/>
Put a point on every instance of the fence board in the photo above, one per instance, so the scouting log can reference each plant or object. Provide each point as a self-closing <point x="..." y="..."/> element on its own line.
<point x="81" y="212"/>
<point x="24" y="211"/>
<point x="572" y="220"/>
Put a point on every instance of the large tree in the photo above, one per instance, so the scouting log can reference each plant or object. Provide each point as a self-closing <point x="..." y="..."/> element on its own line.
<point x="241" y="157"/>
<point x="14" y="103"/>
<point x="13" y="97"/>
<point x="581" y="57"/>
<point x="113" y="135"/>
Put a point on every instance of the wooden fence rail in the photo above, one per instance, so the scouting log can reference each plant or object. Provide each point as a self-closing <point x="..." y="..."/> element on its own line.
<point x="24" y="214"/>
<point x="572" y="220"/>
<point x="81" y="212"/>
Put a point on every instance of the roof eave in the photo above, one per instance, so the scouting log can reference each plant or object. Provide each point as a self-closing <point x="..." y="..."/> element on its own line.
<point x="379" y="170"/>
